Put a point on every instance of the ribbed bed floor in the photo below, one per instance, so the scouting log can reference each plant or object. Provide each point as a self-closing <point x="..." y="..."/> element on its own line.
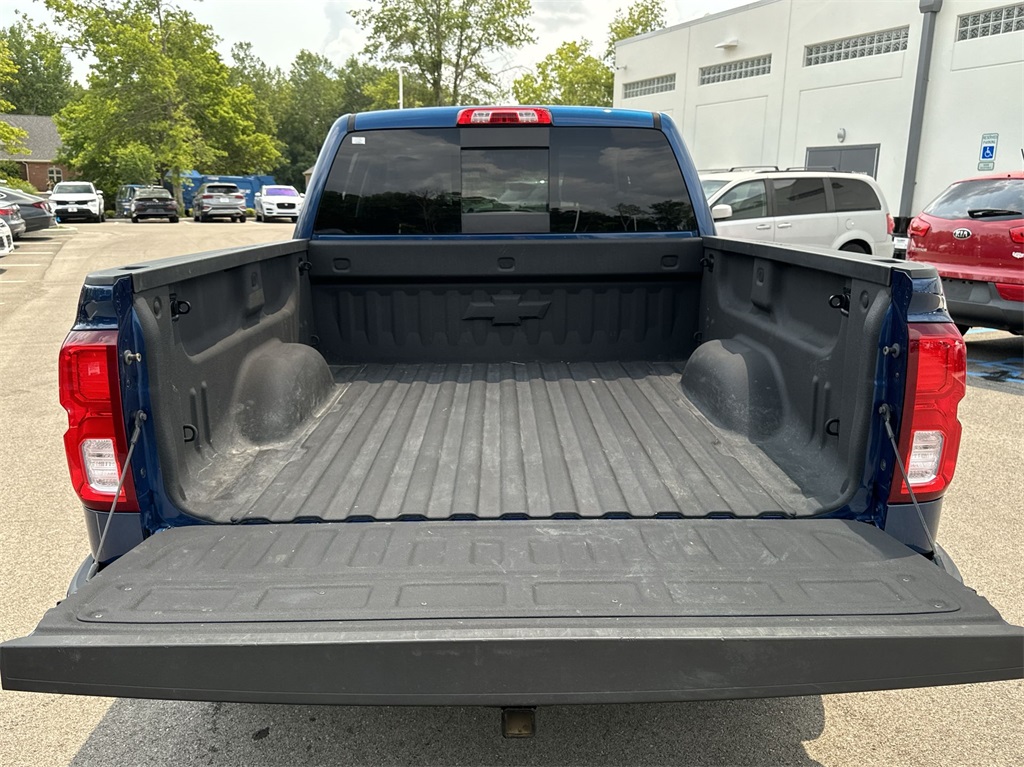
<point x="487" y="440"/>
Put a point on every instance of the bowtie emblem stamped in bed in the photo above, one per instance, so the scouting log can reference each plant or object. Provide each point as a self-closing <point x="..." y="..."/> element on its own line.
<point x="506" y="309"/>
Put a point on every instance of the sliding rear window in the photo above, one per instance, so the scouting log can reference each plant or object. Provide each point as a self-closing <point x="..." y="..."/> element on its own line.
<point x="505" y="181"/>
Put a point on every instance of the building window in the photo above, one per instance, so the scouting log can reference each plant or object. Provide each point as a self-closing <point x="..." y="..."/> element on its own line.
<point x="997" y="21"/>
<point x="736" y="70"/>
<point x="647" y="87"/>
<point x="857" y="47"/>
<point x="54" y="175"/>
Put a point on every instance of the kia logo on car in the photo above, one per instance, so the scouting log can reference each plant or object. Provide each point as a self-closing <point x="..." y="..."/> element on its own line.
<point x="962" y="234"/>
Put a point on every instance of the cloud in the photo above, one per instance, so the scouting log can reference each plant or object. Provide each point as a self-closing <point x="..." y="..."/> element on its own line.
<point x="344" y="37"/>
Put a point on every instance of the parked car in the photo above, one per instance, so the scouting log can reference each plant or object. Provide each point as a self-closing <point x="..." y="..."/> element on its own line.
<point x="842" y="211"/>
<point x="973" y="234"/>
<point x="10" y="212"/>
<point x="37" y="212"/>
<point x="218" y="200"/>
<point x="6" y="239"/>
<point x="278" y="202"/>
<point x="123" y="200"/>
<point x="78" y="200"/>
<point x="153" y="202"/>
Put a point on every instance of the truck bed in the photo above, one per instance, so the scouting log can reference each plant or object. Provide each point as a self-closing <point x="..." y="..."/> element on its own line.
<point x="491" y="440"/>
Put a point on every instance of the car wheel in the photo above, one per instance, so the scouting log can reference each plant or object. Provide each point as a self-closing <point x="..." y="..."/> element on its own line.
<point x="259" y="217"/>
<point x="854" y="247"/>
<point x="174" y="219"/>
<point x="241" y="219"/>
<point x="103" y="217"/>
<point x="295" y="219"/>
<point x="135" y="219"/>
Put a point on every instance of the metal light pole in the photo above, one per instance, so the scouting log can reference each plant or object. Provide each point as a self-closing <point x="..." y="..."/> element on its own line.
<point x="401" y="91"/>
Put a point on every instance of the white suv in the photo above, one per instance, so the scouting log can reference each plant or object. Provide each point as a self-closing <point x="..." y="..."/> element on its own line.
<point x="841" y="211"/>
<point x="77" y="200"/>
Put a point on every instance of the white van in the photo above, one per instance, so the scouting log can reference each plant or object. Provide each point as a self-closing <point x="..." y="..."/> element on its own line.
<point x="841" y="211"/>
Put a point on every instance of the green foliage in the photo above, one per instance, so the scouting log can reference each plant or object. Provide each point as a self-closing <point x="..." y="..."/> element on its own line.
<point x="641" y="17"/>
<point x="570" y="75"/>
<point x="157" y="83"/>
<point x="11" y="138"/>
<point x="43" y="85"/>
<point x="574" y="75"/>
<point x="445" y="43"/>
<point x="10" y="172"/>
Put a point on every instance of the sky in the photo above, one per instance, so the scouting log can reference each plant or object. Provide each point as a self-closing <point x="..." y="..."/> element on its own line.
<point x="279" y="29"/>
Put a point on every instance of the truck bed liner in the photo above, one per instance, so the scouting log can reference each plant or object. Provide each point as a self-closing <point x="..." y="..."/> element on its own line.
<point x="487" y="440"/>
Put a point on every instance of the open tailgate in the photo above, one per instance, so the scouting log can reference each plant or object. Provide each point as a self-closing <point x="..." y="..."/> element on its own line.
<point x="515" y="613"/>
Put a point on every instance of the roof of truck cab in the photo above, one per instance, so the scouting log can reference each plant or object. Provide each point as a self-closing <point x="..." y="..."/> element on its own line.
<point x="446" y="117"/>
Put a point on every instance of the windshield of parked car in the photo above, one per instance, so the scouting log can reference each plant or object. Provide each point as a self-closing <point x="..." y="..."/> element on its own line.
<point x="710" y="186"/>
<point x="281" y="191"/>
<point x="155" y="193"/>
<point x="69" y="188"/>
<point x="995" y="194"/>
<point x="222" y="189"/>
<point x="560" y="180"/>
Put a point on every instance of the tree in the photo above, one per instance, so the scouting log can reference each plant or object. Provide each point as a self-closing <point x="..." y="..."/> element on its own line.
<point x="573" y="75"/>
<point x="445" y="42"/>
<point x="43" y="85"/>
<point x="641" y="17"/>
<point x="11" y="138"/>
<point x="570" y="75"/>
<point x="157" y="84"/>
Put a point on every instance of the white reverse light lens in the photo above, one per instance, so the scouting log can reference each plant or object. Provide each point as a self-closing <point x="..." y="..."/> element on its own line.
<point x="100" y="464"/>
<point x="925" y="454"/>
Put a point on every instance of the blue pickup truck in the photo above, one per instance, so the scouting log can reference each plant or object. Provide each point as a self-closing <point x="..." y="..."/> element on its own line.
<point x="507" y="424"/>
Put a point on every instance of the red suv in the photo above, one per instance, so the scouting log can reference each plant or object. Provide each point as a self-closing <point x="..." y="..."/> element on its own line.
<point x="973" y="233"/>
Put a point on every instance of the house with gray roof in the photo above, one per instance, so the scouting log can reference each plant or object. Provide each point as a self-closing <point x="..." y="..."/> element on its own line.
<point x="39" y="167"/>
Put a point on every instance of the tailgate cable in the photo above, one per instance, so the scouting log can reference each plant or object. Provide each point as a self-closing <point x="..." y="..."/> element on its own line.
<point x="885" y="411"/>
<point x="140" y="417"/>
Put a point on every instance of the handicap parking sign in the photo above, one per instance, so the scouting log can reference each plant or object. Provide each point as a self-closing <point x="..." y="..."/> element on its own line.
<point x="989" y="142"/>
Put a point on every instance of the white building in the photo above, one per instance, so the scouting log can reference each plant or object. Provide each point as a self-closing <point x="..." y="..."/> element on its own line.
<point x="834" y="83"/>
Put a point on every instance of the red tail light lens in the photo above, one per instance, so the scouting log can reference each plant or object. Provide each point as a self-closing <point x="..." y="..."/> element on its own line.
<point x="41" y="205"/>
<point x="207" y="197"/>
<point x="95" y="441"/>
<point x="6" y="211"/>
<point x="239" y="196"/>
<point x="930" y="433"/>
<point x="1010" y="292"/>
<point x="1017" y="234"/>
<point x="504" y="116"/>
<point x="890" y="225"/>
<point x="918" y="228"/>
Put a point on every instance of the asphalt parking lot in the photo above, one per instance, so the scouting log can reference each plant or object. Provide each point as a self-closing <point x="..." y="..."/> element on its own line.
<point x="42" y="542"/>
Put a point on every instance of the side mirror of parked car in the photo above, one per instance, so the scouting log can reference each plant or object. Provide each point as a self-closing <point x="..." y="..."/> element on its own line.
<point x="721" y="212"/>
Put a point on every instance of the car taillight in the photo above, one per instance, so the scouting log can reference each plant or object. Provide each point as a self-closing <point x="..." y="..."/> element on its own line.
<point x="207" y="197"/>
<point x="930" y="432"/>
<point x="239" y="196"/>
<point x="1010" y="292"/>
<point x="1017" y="234"/>
<point x="890" y="224"/>
<point x="41" y="205"/>
<point x="504" y="116"/>
<point x="6" y="211"/>
<point x="918" y="228"/>
<point x="95" y="441"/>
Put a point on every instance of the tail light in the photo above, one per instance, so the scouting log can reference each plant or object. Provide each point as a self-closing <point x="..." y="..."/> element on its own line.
<point x="7" y="211"/>
<point x="918" y="228"/>
<point x="239" y="196"/>
<point x="95" y="441"/>
<point x="207" y="197"/>
<point x="890" y="225"/>
<point x="1017" y="234"/>
<point x="1010" y="292"/>
<point x="930" y="432"/>
<point x="41" y="205"/>
<point x="504" y="116"/>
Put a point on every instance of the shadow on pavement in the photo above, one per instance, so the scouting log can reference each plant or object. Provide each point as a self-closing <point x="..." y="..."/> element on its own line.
<point x="996" y="358"/>
<point x="744" y="732"/>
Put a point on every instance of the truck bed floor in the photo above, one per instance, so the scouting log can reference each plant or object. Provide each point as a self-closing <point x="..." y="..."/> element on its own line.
<point x="485" y="440"/>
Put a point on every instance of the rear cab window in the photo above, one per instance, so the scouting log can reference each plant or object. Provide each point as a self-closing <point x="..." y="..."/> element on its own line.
<point x="505" y="180"/>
